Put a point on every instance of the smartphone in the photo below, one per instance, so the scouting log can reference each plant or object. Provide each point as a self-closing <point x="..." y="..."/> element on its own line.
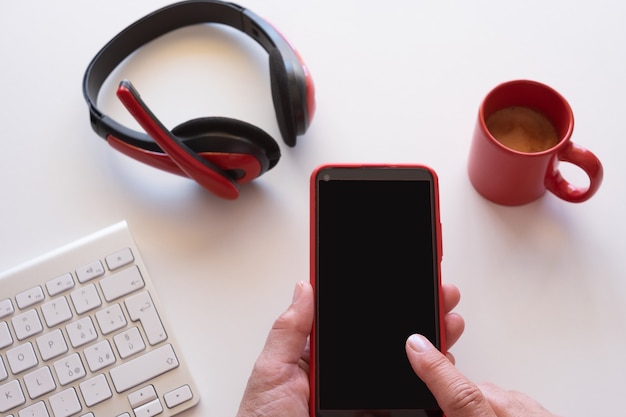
<point x="375" y="269"/>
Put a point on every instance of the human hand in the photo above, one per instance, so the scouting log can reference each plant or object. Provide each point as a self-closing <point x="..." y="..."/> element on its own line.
<point x="279" y="383"/>
<point x="459" y="397"/>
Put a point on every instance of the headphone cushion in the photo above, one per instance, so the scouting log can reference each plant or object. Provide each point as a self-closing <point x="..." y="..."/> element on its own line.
<point x="223" y="135"/>
<point x="281" y="97"/>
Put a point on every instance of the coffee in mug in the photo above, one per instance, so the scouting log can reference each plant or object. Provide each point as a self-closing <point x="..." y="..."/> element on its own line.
<point x="522" y="129"/>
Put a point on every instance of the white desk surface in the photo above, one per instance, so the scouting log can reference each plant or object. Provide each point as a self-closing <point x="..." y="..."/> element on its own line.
<point x="543" y="285"/>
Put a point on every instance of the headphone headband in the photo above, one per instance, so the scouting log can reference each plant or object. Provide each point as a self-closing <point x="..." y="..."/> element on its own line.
<point x="168" y="19"/>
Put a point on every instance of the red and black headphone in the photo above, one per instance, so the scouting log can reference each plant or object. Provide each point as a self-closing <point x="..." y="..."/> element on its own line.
<point x="219" y="153"/>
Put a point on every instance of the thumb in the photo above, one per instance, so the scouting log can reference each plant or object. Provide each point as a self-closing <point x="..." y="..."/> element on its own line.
<point x="288" y="338"/>
<point x="456" y="395"/>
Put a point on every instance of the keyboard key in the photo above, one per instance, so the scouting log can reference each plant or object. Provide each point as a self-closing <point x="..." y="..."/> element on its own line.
<point x="35" y="410"/>
<point x="121" y="283"/>
<point x="110" y="319"/>
<point x="5" y="335"/>
<point x="69" y="369"/>
<point x="95" y="390"/>
<point x="12" y="396"/>
<point x="29" y="297"/>
<point x="6" y="308"/>
<point x="51" y="345"/>
<point x="140" y="307"/>
<point x="39" y="382"/>
<point x="178" y="396"/>
<point x="142" y="396"/>
<point x="144" y="368"/>
<point x="129" y="342"/>
<point x="99" y="356"/>
<point x="119" y="259"/>
<point x="65" y="403"/>
<point x="27" y="324"/>
<point x="59" y="284"/>
<point x="90" y="271"/>
<point x="151" y="409"/>
<point x="81" y="332"/>
<point x="3" y="371"/>
<point x="56" y="311"/>
<point x="86" y="299"/>
<point x="21" y="358"/>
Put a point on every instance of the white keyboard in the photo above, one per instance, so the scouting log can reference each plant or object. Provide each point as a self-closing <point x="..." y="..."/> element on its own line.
<point x="82" y="333"/>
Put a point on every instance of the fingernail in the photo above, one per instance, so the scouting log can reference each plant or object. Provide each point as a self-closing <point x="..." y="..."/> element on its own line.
<point x="419" y="343"/>
<point x="296" y="293"/>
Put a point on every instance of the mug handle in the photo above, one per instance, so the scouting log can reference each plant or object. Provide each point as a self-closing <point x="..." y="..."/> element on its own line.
<point x="585" y="160"/>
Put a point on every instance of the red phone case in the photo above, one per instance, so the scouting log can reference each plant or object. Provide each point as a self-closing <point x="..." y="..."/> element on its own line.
<point x="312" y="261"/>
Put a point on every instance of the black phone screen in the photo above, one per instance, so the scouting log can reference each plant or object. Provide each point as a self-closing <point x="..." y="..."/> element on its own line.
<point x="376" y="283"/>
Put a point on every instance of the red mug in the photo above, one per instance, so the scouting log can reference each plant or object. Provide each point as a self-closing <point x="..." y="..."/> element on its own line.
<point x="523" y="131"/>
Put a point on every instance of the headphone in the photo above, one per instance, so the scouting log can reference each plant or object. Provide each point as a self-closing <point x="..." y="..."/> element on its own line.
<point x="217" y="152"/>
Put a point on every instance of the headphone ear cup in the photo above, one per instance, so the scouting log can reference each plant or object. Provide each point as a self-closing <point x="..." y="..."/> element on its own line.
<point x="227" y="141"/>
<point x="281" y="97"/>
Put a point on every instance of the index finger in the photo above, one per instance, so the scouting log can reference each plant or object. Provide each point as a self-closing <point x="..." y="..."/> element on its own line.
<point x="456" y="395"/>
<point x="451" y="297"/>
